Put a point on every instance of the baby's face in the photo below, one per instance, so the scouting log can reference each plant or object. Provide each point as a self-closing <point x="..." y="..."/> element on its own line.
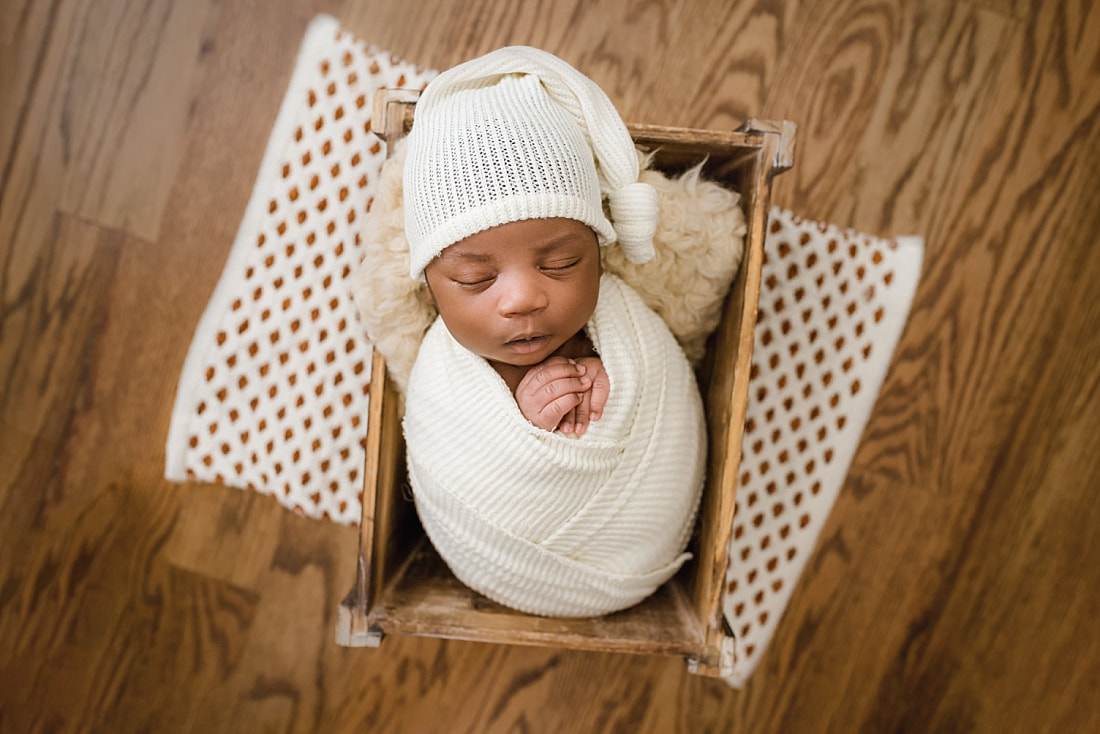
<point x="516" y="293"/>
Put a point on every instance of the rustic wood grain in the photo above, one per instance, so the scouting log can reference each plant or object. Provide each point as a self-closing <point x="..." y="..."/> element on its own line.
<point x="955" y="586"/>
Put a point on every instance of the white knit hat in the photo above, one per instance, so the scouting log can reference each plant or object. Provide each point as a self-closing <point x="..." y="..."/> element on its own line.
<point x="520" y="134"/>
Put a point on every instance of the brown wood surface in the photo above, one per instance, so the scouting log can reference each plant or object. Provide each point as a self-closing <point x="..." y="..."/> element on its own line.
<point x="956" y="585"/>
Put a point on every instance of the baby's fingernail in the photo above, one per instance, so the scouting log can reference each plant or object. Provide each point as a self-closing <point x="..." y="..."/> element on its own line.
<point x="581" y="429"/>
<point x="581" y="368"/>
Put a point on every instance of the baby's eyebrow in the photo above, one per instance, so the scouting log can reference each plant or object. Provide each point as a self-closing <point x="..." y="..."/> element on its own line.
<point x="469" y="256"/>
<point x="555" y="244"/>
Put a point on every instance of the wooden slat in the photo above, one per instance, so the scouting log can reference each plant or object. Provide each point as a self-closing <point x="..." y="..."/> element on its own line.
<point x="729" y="393"/>
<point x="426" y="599"/>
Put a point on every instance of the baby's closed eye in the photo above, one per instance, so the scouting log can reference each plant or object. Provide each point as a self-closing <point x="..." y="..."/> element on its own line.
<point x="559" y="266"/>
<point x="473" y="279"/>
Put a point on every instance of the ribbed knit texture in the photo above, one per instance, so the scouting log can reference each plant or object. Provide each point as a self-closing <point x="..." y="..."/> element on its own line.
<point x="552" y="524"/>
<point x="520" y="134"/>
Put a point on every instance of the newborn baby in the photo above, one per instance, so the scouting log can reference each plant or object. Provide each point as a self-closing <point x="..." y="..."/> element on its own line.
<point x="519" y="295"/>
<point x="555" y="434"/>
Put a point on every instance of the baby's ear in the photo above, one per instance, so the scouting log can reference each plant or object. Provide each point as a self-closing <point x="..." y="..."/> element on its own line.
<point x="426" y="291"/>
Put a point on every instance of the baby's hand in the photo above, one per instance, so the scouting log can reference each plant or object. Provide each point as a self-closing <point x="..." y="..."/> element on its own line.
<point x="553" y="389"/>
<point x="590" y="407"/>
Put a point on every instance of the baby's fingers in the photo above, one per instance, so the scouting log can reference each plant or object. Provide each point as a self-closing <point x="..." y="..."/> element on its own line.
<point x="582" y="414"/>
<point x="549" y="391"/>
<point x="601" y="389"/>
<point x="550" y="380"/>
<point x="568" y="422"/>
<point x="544" y="376"/>
<point x="555" y="411"/>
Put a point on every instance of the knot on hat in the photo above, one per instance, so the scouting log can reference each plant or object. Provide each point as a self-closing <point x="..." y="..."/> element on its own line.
<point x="634" y="217"/>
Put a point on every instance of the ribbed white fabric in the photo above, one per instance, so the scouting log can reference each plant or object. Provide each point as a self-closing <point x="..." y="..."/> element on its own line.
<point x="552" y="524"/>
<point x="520" y="134"/>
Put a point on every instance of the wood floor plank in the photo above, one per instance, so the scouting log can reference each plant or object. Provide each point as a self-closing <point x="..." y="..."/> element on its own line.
<point x="92" y="590"/>
<point x="890" y="98"/>
<point x="199" y="628"/>
<point x="51" y="323"/>
<point x="94" y="94"/>
<point x="30" y="59"/>
<point x="214" y="525"/>
<point x="122" y="105"/>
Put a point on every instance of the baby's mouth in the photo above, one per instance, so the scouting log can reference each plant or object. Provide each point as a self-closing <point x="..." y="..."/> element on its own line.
<point x="528" y="344"/>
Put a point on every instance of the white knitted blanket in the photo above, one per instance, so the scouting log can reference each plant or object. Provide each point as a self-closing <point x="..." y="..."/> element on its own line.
<point x="273" y="394"/>
<point x="553" y="524"/>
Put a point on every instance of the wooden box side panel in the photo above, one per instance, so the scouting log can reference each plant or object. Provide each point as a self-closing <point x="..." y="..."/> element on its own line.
<point x="378" y="534"/>
<point x="388" y="515"/>
<point x="727" y="394"/>
<point x="427" y="599"/>
<point x="394" y="519"/>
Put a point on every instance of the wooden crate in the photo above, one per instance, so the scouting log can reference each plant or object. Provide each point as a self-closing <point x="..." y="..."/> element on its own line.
<point x="402" y="585"/>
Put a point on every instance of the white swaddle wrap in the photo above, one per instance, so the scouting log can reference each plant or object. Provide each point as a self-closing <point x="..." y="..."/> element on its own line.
<point x="552" y="524"/>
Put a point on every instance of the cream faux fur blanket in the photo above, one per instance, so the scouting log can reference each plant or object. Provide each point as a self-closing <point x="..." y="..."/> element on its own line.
<point x="552" y="524"/>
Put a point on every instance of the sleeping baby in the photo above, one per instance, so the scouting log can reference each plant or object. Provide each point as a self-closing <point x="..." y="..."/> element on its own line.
<point x="555" y="433"/>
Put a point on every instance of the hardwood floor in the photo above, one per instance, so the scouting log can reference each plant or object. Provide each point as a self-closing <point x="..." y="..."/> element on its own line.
<point x="956" y="586"/>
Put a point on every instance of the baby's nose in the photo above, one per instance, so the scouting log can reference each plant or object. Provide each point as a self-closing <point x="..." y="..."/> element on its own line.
<point x="522" y="296"/>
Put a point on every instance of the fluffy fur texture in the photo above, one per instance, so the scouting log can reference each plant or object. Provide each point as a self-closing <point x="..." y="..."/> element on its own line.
<point x="698" y="243"/>
<point x="395" y="310"/>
